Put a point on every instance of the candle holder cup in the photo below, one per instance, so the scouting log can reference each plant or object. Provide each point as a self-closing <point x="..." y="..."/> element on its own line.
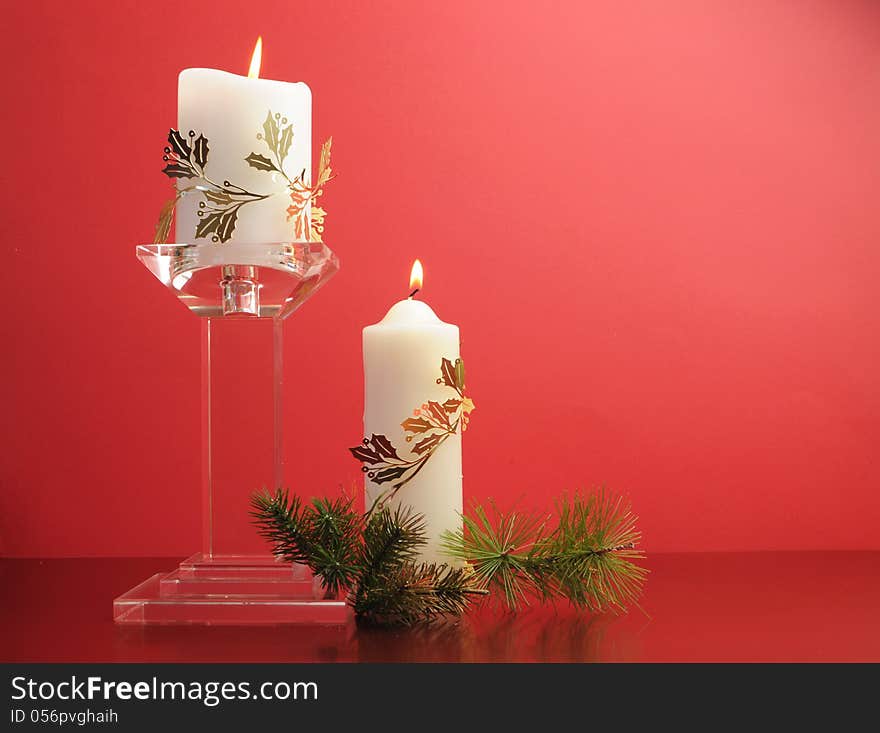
<point x="242" y="293"/>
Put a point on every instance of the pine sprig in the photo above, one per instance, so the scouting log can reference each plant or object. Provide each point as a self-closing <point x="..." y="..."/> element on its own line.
<point x="411" y="593"/>
<point x="392" y="587"/>
<point x="325" y="535"/>
<point x="587" y="558"/>
<point x="585" y="553"/>
<point x="390" y="539"/>
<point x="279" y="520"/>
<point x="498" y="548"/>
<point x="371" y="557"/>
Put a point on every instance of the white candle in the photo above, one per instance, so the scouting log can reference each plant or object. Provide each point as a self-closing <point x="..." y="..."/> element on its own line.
<point x="230" y="111"/>
<point x="402" y="364"/>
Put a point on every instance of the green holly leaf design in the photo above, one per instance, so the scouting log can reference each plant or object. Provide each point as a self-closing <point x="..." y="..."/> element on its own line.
<point x="219" y="223"/>
<point x="227" y="224"/>
<point x="186" y="156"/>
<point x="221" y="198"/>
<point x="270" y="132"/>
<point x="260" y="162"/>
<point x="179" y="143"/>
<point x="459" y="375"/>
<point x="175" y="170"/>
<point x="284" y="143"/>
<point x="200" y="151"/>
<point x="208" y="224"/>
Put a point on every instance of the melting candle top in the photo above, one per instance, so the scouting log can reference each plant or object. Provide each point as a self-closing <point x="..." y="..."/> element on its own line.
<point x="410" y="312"/>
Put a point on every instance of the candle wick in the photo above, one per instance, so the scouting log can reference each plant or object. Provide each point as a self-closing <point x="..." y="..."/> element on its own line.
<point x="413" y="293"/>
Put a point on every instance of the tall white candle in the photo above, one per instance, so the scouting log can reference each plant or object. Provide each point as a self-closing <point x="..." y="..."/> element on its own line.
<point x="230" y="111"/>
<point x="402" y="358"/>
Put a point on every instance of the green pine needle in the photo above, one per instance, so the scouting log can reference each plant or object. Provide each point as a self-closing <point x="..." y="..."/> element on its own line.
<point x="391" y="538"/>
<point x="325" y="535"/>
<point x="587" y="558"/>
<point x="279" y="520"/>
<point x="411" y="593"/>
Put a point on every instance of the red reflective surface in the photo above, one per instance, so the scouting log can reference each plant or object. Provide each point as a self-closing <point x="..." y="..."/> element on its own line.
<point x="817" y="606"/>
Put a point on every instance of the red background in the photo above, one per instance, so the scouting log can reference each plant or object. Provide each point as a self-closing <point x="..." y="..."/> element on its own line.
<point x="655" y="223"/>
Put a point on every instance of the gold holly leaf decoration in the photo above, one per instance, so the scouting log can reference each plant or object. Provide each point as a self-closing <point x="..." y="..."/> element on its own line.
<point x="427" y="429"/>
<point x="307" y="216"/>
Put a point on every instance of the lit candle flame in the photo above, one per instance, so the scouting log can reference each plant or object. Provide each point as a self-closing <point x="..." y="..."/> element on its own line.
<point x="254" y="70"/>
<point x="416" y="277"/>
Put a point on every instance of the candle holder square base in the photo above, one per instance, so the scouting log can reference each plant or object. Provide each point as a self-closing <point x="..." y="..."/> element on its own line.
<point x="227" y="590"/>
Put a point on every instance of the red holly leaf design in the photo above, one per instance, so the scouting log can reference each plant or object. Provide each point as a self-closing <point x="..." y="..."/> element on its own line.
<point x="389" y="474"/>
<point x="383" y="446"/>
<point x="377" y="449"/>
<point x="426" y="444"/>
<point x="416" y="425"/>
<point x="365" y="455"/>
<point x="439" y="413"/>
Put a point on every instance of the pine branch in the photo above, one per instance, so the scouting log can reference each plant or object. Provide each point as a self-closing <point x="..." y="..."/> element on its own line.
<point x="390" y="539"/>
<point x="497" y="548"/>
<point x="372" y="557"/>
<point x="324" y="535"/>
<point x="279" y="521"/>
<point x="587" y="558"/>
<point x="586" y="554"/>
<point x="333" y="530"/>
<point x="411" y="593"/>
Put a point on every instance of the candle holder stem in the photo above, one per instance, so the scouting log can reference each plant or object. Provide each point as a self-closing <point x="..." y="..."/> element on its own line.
<point x="241" y="428"/>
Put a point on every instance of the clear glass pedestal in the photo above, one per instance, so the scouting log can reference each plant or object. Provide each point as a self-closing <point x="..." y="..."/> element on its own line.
<point x="243" y="292"/>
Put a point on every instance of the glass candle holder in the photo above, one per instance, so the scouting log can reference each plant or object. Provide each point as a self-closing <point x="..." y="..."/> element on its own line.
<point x="242" y="293"/>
